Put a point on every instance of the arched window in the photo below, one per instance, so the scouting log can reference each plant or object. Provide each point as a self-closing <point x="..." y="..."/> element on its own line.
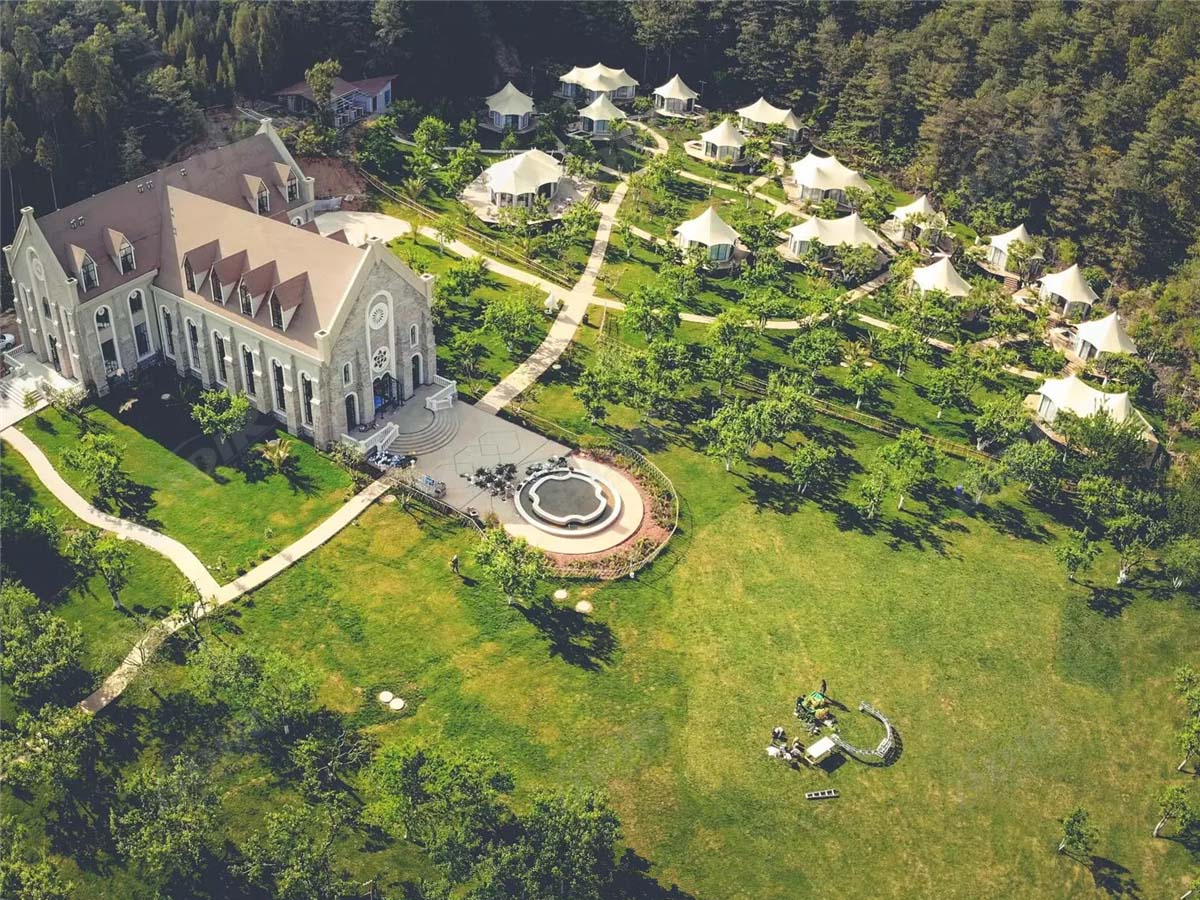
<point x="193" y="344"/>
<point x="103" y="319"/>
<point x="168" y="340"/>
<point x="293" y="188"/>
<point x="413" y="335"/>
<point x="87" y="271"/>
<point x="189" y="276"/>
<point x="108" y="344"/>
<point x="126" y="257"/>
<point x="248" y="369"/>
<point x="347" y="373"/>
<point x="135" y="303"/>
<point x="306" y="395"/>
<point x="141" y="334"/>
<point x="218" y="292"/>
<point x="277" y="378"/>
<point x="276" y="313"/>
<point x="219" y="354"/>
<point x="264" y="200"/>
<point x="246" y="300"/>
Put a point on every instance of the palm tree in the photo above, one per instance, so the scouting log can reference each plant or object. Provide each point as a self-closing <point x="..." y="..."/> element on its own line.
<point x="277" y="453"/>
<point x="414" y="187"/>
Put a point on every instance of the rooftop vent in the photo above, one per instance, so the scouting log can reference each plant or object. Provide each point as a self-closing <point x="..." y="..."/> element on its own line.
<point x="141" y="187"/>
<point x="183" y="170"/>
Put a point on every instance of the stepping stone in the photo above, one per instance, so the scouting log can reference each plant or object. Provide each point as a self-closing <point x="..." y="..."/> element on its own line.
<point x="561" y="594"/>
<point x="584" y="607"/>
<point x="385" y="697"/>
<point x="397" y="704"/>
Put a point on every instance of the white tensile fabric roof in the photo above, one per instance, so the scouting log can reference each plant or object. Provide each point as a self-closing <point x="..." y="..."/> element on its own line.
<point x="1002" y="241"/>
<point x="707" y="229"/>
<point x="764" y="113"/>
<point x="920" y="206"/>
<point x="826" y="173"/>
<point x="941" y="276"/>
<point x="675" y="89"/>
<point x="1106" y="335"/>
<point x="724" y="135"/>
<point x="523" y="173"/>
<point x="508" y="101"/>
<point x="599" y="78"/>
<point x="602" y="109"/>
<point x="835" y="232"/>
<point x="1070" y="285"/>
<point x="1072" y="394"/>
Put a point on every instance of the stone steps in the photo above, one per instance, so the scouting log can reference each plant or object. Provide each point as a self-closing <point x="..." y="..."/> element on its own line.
<point x="440" y="432"/>
<point x="15" y="387"/>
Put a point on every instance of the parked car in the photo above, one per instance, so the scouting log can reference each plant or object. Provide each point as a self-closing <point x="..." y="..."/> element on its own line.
<point x="7" y="341"/>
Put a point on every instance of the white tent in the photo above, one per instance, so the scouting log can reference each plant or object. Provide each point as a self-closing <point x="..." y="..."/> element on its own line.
<point x="1070" y="286"/>
<point x="598" y="115"/>
<point x="675" y="89"/>
<point x="723" y="142"/>
<point x="998" y="245"/>
<point x="761" y="112"/>
<point x="1072" y="394"/>
<point x="1102" y="336"/>
<point x="524" y="175"/>
<point x="919" y="207"/>
<point x="940" y="276"/>
<point x="599" y="79"/>
<point x="831" y="233"/>
<point x="819" y="177"/>
<point x="509" y="108"/>
<point x="708" y="230"/>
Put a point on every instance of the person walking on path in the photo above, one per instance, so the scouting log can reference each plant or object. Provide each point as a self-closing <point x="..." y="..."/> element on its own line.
<point x="454" y="564"/>
<point x="822" y="680"/>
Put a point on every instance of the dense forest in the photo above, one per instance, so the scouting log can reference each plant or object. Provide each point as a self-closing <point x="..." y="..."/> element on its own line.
<point x="1082" y="120"/>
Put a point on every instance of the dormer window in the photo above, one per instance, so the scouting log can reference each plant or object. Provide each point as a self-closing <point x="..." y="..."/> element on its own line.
<point x="189" y="276"/>
<point x="127" y="261"/>
<point x="293" y="188"/>
<point x="88" y="274"/>
<point x="264" y="201"/>
<point x="244" y="297"/>
<point x="218" y="292"/>
<point x="276" y="313"/>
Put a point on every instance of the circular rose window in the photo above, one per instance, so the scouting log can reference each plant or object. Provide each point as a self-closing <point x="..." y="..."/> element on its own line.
<point x="379" y="315"/>
<point x="379" y="359"/>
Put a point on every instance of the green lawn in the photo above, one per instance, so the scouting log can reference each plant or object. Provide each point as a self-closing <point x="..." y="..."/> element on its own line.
<point x="220" y="502"/>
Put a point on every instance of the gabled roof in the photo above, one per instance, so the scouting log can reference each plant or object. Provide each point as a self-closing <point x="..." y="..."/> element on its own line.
<point x="1070" y="285"/>
<point x="708" y="229"/>
<point x="78" y="256"/>
<point x="920" y="206"/>
<point x="835" y="232"/>
<point x="230" y="268"/>
<point x="339" y="235"/>
<point x="1001" y="241"/>
<point x="826" y="173"/>
<point x="204" y="258"/>
<point x="675" y="89"/>
<point x="259" y="280"/>
<point x="523" y="173"/>
<point x="293" y="292"/>
<point x="252" y="186"/>
<point x="508" y="101"/>
<point x="724" y="135"/>
<point x="113" y="240"/>
<point x="764" y="113"/>
<point x="1073" y="394"/>
<point x="599" y="78"/>
<point x="341" y="87"/>
<point x="602" y="110"/>
<point x="374" y="85"/>
<point x="941" y="276"/>
<point x="1106" y="335"/>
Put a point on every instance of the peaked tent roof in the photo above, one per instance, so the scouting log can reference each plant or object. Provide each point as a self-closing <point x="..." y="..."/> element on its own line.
<point x="835" y="232"/>
<point x="1072" y="394"/>
<point x="599" y="78"/>
<point x="1001" y="241"/>
<point x="1070" y="285"/>
<point x="764" y="113"/>
<point x="523" y="173"/>
<point x="724" y="135"/>
<point x="941" y="276"/>
<point x="675" y="89"/>
<point x="826" y="173"/>
<point x="920" y="206"/>
<point x="508" y="101"/>
<point x="602" y="110"/>
<point x="708" y="229"/>
<point x="1106" y="335"/>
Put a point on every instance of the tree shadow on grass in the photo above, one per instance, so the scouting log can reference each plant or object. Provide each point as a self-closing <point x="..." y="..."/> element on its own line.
<point x="1110" y="602"/>
<point x="633" y="881"/>
<point x="577" y="639"/>
<point x="1113" y="878"/>
<point x="1011" y="520"/>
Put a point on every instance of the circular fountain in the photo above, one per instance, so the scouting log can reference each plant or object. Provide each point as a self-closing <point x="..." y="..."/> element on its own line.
<point x="568" y="502"/>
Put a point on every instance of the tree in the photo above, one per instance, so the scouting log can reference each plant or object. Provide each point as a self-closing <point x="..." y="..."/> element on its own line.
<point x="1106" y="446"/>
<point x="29" y="879"/>
<point x="1188" y="740"/>
<point x="1181" y="559"/>
<point x="948" y="386"/>
<point x="111" y="558"/>
<point x="515" y="316"/>
<point x="467" y="350"/>
<point x="728" y="435"/>
<point x="856" y="262"/>
<point x="871" y="493"/>
<point x="1133" y="534"/>
<point x="983" y="478"/>
<point x="165" y="819"/>
<point x="431" y="136"/>
<point x="277" y="452"/>
<point x="1001" y="420"/>
<point x="133" y="160"/>
<point x="53" y="750"/>
<point x="1076" y="552"/>
<point x="912" y="461"/>
<point x="865" y="380"/>
<point x="98" y="457"/>
<point x="1173" y="803"/>
<point x="1078" y="834"/>
<point x="221" y="414"/>
<point x="511" y="563"/>
<point x="320" y="78"/>
<point x="815" y="348"/>
<point x="267" y="693"/>
<point x="812" y="462"/>
<point x="291" y="857"/>
<point x="901" y="345"/>
<point x="39" y="651"/>
<point x="46" y="156"/>
<point x="1033" y="463"/>
<point x="653" y="311"/>
<point x="730" y="343"/>
<point x="13" y="150"/>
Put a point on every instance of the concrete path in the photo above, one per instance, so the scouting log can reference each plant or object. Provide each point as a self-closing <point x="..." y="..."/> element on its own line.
<point x="361" y="225"/>
<point x="661" y="145"/>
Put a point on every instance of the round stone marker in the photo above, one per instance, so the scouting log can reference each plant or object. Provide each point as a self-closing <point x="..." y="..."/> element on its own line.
<point x="397" y="704"/>
<point x="584" y="607"/>
<point x="390" y="498"/>
<point x="165" y="397"/>
<point x="561" y="594"/>
<point x="385" y="697"/>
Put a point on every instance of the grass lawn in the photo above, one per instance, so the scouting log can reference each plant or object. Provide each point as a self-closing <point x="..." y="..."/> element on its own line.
<point x="467" y="315"/>
<point x="218" y="501"/>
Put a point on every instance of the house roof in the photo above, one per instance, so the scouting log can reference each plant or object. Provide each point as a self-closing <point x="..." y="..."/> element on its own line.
<point x="1106" y="335"/>
<point x="372" y="86"/>
<point x="764" y="113"/>
<point x="708" y="229"/>
<point x="135" y="209"/>
<point x="921" y="206"/>
<point x="1070" y="285"/>
<point x="523" y="173"/>
<point x="724" y="135"/>
<point x="1001" y="241"/>
<point x="508" y="101"/>
<point x="1073" y="394"/>
<point x="941" y="276"/>
<point x="599" y="78"/>
<point x="268" y="254"/>
<point x="835" y="232"/>
<point x="675" y="89"/>
<point x="341" y="87"/>
<point x="826" y="173"/>
<point x="602" y="110"/>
